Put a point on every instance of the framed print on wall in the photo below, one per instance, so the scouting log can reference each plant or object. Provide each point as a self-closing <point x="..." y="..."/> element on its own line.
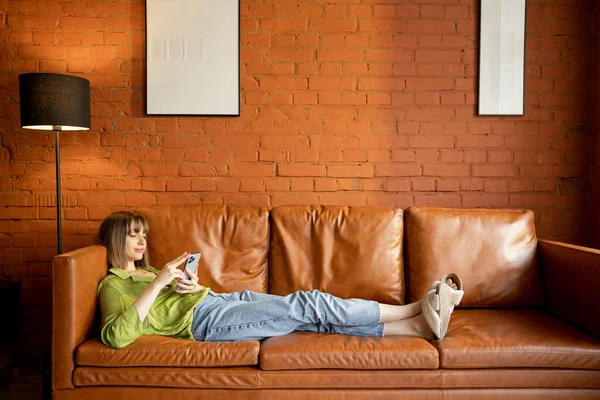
<point x="193" y="57"/>
<point x="502" y="57"/>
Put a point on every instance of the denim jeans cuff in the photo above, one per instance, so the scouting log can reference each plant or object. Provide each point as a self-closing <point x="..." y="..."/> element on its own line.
<point x="378" y="313"/>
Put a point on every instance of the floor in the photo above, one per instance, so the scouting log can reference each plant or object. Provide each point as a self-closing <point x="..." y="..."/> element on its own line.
<point x="23" y="388"/>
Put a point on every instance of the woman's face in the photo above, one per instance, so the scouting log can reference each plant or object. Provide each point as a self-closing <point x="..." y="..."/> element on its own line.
<point x="135" y="243"/>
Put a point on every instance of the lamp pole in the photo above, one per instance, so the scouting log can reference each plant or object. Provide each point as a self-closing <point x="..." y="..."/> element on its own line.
<point x="56" y="130"/>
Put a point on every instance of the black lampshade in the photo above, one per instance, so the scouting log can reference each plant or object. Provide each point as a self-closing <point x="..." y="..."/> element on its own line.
<point x="54" y="101"/>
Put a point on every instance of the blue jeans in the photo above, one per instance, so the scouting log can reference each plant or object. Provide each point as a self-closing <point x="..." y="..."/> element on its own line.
<point x="253" y="316"/>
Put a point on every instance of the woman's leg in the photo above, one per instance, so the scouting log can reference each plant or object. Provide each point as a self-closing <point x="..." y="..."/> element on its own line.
<point x="388" y="312"/>
<point x="248" y="315"/>
<point x="415" y="326"/>
<point x="391" y="313"/>
<point x="248" y="295"/>
<point x="225" y="320"/>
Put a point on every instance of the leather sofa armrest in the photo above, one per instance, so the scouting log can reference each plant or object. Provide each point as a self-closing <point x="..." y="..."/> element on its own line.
<point x="571" y="275"/>
<point x="75" y="279"/>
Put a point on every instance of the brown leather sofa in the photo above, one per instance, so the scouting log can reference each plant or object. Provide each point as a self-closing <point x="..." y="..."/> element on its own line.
<point x="527" y="328"/>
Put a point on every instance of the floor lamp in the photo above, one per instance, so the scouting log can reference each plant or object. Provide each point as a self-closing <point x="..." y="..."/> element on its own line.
<point x="55" y="102"/>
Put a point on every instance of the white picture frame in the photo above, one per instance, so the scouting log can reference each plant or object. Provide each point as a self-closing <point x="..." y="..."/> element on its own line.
<point x="502" y="57"/>
<point x="193" y="57"/>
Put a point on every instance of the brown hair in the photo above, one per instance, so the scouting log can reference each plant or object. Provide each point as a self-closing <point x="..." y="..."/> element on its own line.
<point x="112" y="235"/>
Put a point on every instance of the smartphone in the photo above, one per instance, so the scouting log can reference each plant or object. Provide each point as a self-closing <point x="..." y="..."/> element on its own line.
<point x="191" y="264"/>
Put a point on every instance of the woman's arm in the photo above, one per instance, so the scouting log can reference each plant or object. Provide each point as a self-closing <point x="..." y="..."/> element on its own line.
<point x="120" y="325"/>
<point x="146" y="299"/>
<point x="166" y="275"/>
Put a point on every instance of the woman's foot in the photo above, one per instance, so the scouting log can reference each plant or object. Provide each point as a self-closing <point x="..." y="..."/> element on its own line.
<point x="452" y="280"/>
<point x="389" y="313"/>
<point x="451" y="283"/>
<point x="439" y="304"/>
<point x="423" y="328"/>
<point x="413" y="324"/>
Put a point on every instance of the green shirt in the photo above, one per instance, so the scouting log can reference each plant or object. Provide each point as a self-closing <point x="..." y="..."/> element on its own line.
<point x="171" y="313"/>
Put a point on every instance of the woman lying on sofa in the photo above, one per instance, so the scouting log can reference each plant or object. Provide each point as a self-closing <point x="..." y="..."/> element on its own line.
<point x="137" y="299"/>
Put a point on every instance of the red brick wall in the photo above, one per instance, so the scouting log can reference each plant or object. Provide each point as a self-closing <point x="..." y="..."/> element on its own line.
<point x="360" y="102"/>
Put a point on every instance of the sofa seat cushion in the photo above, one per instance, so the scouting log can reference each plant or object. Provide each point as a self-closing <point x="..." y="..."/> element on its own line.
<point x="515" y="339"/>
<point x="308" y="350"/>
<point x="163" y="351"/>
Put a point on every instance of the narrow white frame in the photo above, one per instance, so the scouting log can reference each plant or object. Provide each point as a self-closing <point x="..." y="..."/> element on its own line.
<point x="193" y="57"/>
<point x="502" y="57"/>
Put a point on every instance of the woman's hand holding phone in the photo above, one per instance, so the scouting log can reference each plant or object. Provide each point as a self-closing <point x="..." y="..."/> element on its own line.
<point x="189" y="284"/>
<point x="170" y="271"/>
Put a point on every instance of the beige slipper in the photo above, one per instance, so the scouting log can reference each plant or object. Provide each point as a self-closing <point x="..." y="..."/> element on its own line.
<point x="437" y="306"/>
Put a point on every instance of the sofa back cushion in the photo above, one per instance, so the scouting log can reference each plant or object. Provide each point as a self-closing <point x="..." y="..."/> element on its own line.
<point x="350" y="252"/>
<point x="493" y="251"/>
<point x="233" y="240"/>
